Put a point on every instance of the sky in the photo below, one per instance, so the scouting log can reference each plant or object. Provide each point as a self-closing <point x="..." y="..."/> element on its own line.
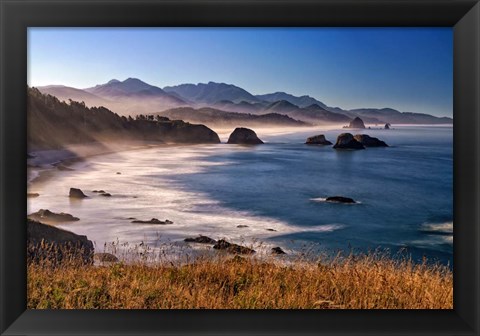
<point x="408" y="69"/>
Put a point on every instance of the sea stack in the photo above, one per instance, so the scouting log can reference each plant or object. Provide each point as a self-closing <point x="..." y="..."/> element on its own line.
<point x="244" y="136"/>
<point x="318" y="140"/>
<point x="356" y="123"/>
<point x="347" y="141"/>
<point x="76" y="193"/>
<point x="369" y="141"/>
<point x="387" y="126"/>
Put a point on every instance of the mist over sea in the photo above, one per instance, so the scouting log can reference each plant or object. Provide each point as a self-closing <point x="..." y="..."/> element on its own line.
<point x="277" y="190"/>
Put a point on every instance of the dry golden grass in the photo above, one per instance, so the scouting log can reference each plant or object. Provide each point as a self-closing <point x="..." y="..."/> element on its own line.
<point x="222" y="282"/>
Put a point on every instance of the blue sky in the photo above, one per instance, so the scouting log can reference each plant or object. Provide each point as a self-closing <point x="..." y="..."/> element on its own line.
<point x="409" y="69"/>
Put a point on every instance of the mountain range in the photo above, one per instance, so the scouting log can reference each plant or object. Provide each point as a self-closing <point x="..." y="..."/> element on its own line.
<point x="211" y="116"/>
<point x="133" y="97"/>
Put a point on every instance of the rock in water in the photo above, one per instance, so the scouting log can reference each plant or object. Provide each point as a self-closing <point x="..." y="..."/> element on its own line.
<point x="318" y="140"/>
<point x="76" y="193"/>
<point x="369" y="141"/>
<point x="277" y="250"/>
<point x="356" y="123"/>
<point x="387" y="126"/>
<point x="45" y="242"/>
<point x="52" y="217"/>
<point x="244" y="136"/>
<point x="201" y="240"/>
<point x="232" y="248"/>
<point x="347" y="141"/>
<point x="153" y="221"/>
<point x="340" y="199"/>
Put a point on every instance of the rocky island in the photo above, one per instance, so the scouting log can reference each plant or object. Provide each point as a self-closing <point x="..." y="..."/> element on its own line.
<point x="244" y="136"/>
<point x="347" y="141"/>
<point x="318" y="140"/>
<point x="369" y="141"/>
<point x="356" y="123"/>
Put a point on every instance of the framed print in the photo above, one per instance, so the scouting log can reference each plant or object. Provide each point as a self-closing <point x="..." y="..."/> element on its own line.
<point x="201" y="167"/>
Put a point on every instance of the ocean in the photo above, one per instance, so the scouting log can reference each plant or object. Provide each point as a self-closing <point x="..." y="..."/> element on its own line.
<point x="276" y="192"/>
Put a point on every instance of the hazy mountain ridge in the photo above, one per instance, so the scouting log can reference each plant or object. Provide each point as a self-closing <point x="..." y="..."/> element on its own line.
<point x="212" y="92"/>
<point x="300" y="101"/>
<point x="129" y="87"/>
<point x="65" y="93"/>
<point x="213" y="117"/>
<point x="130" y="97"/>
<point x="133" y="97"/>
<point x="313" y="114"/>
<point x="53" y="124"/>
<point x="241" y="107"/>
<point x="393" y="116"/>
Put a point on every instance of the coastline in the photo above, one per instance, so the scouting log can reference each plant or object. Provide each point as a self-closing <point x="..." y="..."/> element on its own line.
<point x="44" y="162"/>
<point x="150" y="175"/>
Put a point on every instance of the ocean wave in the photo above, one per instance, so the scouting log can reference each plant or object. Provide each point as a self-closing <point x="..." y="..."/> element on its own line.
<point x="324" y="199"/>
<point x="435" y="234"/>
<point x="445" y="228"/>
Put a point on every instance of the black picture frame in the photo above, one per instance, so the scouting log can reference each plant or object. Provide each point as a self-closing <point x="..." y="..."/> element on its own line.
<point x="17" y="15"/>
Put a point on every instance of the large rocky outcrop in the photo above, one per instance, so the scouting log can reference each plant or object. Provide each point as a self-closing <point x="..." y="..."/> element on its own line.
<point x="76" y="193"/>
<point x="277" y="250"/>
<point x="200" y="240"/>
<point x="244" y="136"/>
<point x="232" y="248"/>
<point x="48" y="216"/>
<point x="347" y="141"/>
<point x="318" y="140"/>
<point x="369" y="141"/>
<point x="48" y="243"/>
<point x="356" y="123"/>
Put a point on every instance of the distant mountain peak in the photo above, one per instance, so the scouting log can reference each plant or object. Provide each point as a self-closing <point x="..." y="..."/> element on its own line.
<point x="133" y="80"/>
<point x="314" y="106"/>
<point x="283" y="103"/>
<point x="135" y="92"/>
<point x="128" y="86"/>
<point x="217" y="83"/>
<point x="211" y="92"/>
<point x="300" y="101"/>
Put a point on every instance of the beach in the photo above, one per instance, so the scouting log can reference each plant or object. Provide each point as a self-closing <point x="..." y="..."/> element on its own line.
<point x="261" y="196"/>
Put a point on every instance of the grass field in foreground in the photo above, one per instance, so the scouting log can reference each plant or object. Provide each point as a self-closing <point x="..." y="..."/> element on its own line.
<point x="225" y="282"/>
